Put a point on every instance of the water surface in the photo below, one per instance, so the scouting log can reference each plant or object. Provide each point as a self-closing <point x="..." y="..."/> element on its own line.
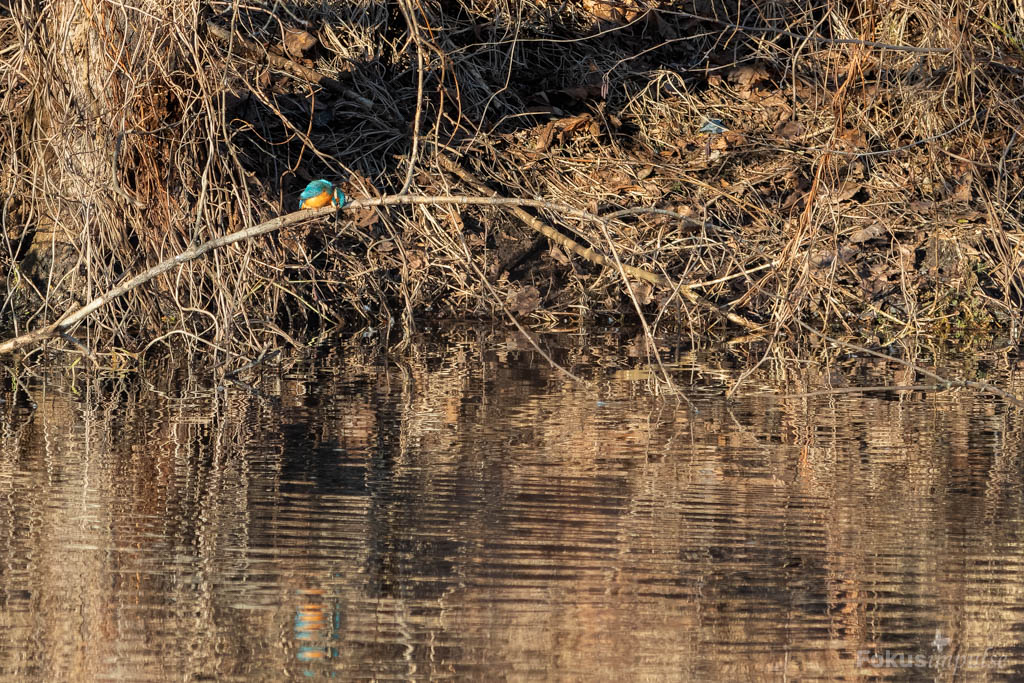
<point x="470" y="513"/>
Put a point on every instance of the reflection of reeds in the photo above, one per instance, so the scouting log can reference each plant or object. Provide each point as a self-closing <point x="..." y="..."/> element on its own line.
<point x="868" y="170"/>
<point x="476" y="506"/>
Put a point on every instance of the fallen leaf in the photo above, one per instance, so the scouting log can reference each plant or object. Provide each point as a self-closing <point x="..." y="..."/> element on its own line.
<point x="613" y="10"/>
<point x="297" y="42"/>
<point x="416" y="260"/>
<point x="907" y="256"/>
<point x="734" y="137"/>
<point x="558" y="255"/>
<point x="789" y="130"/>
<point x="525" y="300"/>
<point x="868" y="233"/>
<point x="564" y="129"/>
<point x="365" y="218"/>
<point x="848" y="253"/>
<point x="962" y="192"/>
<point x="643" y="291"/>
<point x="290" y="242"/>
<point x="854" y="139"/>
<point x="547" y="135"/>
<point x="843" y="193"/>
<point x="728" y="140"/>
<point x="778" y="103"/>
<point x="822" y="259"/>
<point x="747" y="76"/>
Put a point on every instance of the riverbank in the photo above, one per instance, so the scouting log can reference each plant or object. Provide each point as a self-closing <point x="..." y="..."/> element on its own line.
<point x="859" y="170"/>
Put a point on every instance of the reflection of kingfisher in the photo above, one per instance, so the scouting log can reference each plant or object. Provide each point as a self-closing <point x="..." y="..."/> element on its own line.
<point x="321" y="193"/>
<point x="316" y="638"/>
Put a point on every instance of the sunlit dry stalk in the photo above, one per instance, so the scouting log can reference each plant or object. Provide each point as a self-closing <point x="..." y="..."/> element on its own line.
<point x="868" y="180"/>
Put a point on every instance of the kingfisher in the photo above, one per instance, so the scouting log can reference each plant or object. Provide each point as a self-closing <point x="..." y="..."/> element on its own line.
<point x="321" y="193"/>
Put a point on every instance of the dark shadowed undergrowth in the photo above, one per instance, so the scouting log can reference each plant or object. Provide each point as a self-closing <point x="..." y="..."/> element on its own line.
<point x="868" y="182"/>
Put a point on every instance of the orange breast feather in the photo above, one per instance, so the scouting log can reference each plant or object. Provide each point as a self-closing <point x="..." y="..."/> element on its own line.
<point x="322" y="199"/>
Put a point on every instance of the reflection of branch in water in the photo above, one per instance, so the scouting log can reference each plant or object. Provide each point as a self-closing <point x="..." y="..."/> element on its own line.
<point x="252" y="390"/>
<point x="941" y="383"/>
<point x="865" y="390"/>
<point x="262" y="358"/>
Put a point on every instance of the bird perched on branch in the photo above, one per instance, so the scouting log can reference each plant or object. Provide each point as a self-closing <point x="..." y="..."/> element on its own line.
<point x="321" y="193"/>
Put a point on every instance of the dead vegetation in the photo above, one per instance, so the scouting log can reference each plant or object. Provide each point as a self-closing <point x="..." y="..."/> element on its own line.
<point x="868" y="183"/>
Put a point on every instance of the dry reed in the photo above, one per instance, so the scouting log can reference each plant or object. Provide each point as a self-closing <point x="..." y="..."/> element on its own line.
<point x="869" y="182"/>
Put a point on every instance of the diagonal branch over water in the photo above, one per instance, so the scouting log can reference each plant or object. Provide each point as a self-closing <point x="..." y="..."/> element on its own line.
<point x="71" y="318"/>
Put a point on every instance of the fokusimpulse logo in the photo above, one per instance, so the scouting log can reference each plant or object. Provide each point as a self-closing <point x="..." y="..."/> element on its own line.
<point x="940" y="658"/>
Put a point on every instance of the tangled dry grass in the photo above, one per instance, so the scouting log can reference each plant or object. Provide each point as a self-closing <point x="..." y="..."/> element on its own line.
<point x="869" y="182"/>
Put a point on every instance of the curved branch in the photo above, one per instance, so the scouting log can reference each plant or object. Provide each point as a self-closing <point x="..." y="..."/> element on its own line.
<point x="68" y="320"/>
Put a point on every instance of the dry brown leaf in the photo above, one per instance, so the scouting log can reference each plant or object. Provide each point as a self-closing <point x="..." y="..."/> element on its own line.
<point x="747" y="76"/>
<point x="618" y="11"/>
<point x="867" y="233"/>
<point x="822" y="259"/>
<point x="843" y="193"/>
<point x="779" y="105"/>
<point x="907" y="256"/>
<point x="853" y="138"/>
<point x="290" y="242"/>
<point x="365" y="218"/>
<point x="564" y="129"/>
<point x="962" y="192"/>
<point x="558" y="255"/>
<point x="416" y="260"/>
<point x="298" y="42"/>
<point x="788" y="130"/>
<point x="573" y="124"/>
<point x="544" y="140"/>
<point x="525" y="300"/>
<point x="653" y="189"/>
<point x="793" y="198"/>
<point x="727" y="140"/>
<point x="616" y="181"/>
<point x="643" y="291"/>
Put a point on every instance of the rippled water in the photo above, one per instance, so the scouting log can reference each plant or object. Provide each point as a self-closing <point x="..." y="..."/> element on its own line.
<point x="473" y="514"/>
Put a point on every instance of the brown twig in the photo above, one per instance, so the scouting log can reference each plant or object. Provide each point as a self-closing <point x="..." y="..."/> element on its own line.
<point x="255" y="50"/>
<point x="71" y="318"/>
<point x="412" y="22"/>
<point x="591" y="254"/>
<point x="822" y="40"/>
